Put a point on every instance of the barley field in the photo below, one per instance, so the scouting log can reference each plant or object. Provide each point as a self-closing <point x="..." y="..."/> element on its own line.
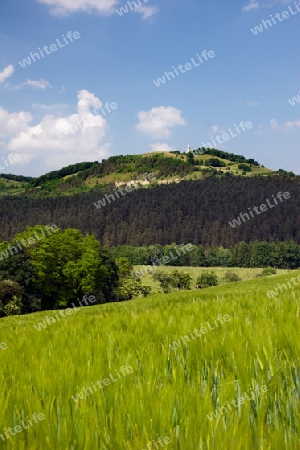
<point x="109" y="377"/>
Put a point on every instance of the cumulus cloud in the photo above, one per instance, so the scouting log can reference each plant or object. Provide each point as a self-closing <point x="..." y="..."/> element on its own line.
<point x="157" y="121"/>
<point x="287" y="126"/>
<point x="13" y="124"/>
<point x="35" y="84"/>
<point x="67" y="7"/>
<point x="158" y="147"/>
<point x="58" y="141"/>
<point x="252" y="5"/>
<point x="146" y="11"/>
<point x="6" y="73"/>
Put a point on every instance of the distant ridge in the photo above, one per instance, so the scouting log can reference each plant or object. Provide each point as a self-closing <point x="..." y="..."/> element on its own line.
<point x="168" y="167"/>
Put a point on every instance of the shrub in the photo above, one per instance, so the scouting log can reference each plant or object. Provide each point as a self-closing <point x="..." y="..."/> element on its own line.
<point x="268" y="271"/>
<point x="244" y="167"/>
<point x="231" y="277"/>
<point x="10" y="298"/>
<point x="207" y="279"/>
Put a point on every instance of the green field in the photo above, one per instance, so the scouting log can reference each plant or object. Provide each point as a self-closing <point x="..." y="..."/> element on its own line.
<point x="243" y="273"/>
<point x="168" y="393"/>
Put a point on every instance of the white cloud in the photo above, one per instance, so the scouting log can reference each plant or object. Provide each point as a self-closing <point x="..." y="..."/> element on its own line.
<point x="35" y="84"/>
<point x="146" y="11"/>
<point x="287" y="126"/>
<point x="54" y="106"/>
<point x="256" y="4"/>
<point x="157" y="121"/>
<point x="6" y="73"/>
<point x="67" y="7"/>
<point x="252" y="5"/>
<point x="58" y="141"/>
<point x="253" y="103"/>
<point x="161" y="147"/>
<point x="13" y="124"/>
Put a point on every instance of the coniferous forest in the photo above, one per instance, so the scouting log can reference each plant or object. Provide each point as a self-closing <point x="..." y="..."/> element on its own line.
<point x="196" y="212"/>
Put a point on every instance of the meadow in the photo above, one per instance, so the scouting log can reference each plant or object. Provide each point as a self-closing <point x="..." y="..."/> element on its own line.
<point x="169" y="393"/>
<point x="194" y="272"/>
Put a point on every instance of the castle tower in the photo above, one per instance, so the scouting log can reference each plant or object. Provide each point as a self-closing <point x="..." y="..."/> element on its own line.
<point x="188" y="149"/>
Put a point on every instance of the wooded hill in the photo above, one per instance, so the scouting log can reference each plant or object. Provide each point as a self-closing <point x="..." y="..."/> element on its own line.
<point x="194" y="212"/>
<point x="167" y="167"/>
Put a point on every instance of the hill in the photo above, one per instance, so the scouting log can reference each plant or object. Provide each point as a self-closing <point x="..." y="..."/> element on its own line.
<point x="167" y="167"/>
<point x="196" y="212"/>
<point x="156" y="198"/>
<point x="212" y="369"/>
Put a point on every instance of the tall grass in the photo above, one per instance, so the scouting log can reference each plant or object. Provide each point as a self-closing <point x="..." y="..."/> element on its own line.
<point x="169" y="393"/>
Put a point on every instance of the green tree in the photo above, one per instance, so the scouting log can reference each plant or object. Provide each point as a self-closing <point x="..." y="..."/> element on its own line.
<point x="220" y="257"/>
<point x="244" y="167"/>
<point x="292" y="254"/>
<point x="207" y="279"/>
<point x="128" y="286"/>
<point x="180" y="280"/>
<point x="10" y="298"/>
<point x="260" y="254"/>
<point x="242" y="254"/>
<point x="165" y="281"/>
<point x="69" y="266"/>
<point x="190" y="159"/>
<point x="19" y="268"/>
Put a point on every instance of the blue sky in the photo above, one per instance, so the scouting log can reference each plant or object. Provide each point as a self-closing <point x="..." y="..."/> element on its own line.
<point x="53" y="113"/>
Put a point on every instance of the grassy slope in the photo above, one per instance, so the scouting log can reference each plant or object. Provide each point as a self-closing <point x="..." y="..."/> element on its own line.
<point x="8" y="187"/>
<point x="170" y="393"/>
<point x="195" y="272"/>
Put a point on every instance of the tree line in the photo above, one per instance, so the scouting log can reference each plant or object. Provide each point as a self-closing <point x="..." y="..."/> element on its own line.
<point x="57" y="270"/>
<point x="280" y="255"/>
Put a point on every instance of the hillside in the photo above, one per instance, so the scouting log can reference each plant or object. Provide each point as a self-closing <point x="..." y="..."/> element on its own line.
<point x="196" y="212"/>
<point x="213" y="369"/>
<point x="167" y="168"/>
